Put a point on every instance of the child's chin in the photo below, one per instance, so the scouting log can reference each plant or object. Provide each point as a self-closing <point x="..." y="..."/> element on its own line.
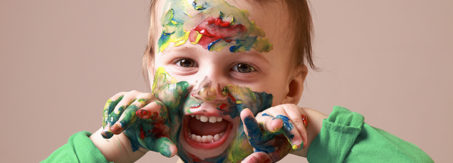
<point x="214" y="144"/>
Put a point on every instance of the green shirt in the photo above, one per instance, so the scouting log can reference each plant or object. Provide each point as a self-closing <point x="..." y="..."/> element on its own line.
<point x="79" y="148"/>
<point x="344" y="137"/>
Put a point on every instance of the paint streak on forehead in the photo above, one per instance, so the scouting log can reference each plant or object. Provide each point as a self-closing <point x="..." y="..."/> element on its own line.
<point x="212" y="24"/>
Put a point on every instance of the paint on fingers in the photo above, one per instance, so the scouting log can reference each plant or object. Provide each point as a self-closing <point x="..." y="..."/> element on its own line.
<point x="288" y="129"/>
<point x="128" y="117"/>
<point x="165" y="147"/>
<point x="108" y="108"/>
<point x="257" y="137"/>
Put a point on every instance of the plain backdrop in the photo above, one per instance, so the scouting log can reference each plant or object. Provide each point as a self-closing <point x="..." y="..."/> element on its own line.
<point x="390" y="60"/>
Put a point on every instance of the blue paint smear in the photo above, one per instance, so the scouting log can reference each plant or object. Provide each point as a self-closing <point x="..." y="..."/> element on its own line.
<point x="234" y="48"/>
<point x="262" y="102"/>
<point x="287" y="126"/>
<point x="213" y="43"/>
<point x="198" y="6"/>
<point x="257" y="137"/>
<point x="267" y="115"/>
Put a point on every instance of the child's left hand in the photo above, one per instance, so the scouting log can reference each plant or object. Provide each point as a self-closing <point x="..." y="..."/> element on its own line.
<point x="266" y="130"/>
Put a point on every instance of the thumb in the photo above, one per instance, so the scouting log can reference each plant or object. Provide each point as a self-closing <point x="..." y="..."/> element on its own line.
<point x="165" y="147"/>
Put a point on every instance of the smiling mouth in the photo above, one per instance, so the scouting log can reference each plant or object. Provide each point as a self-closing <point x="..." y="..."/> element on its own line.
<point x="206" y="132"/>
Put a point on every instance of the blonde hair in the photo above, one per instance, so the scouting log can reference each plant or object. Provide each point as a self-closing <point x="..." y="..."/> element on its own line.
<point x="301" y="24"/>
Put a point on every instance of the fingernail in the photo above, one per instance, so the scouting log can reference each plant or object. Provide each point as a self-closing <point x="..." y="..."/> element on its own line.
<point x="116" y="128"/>
<point x="106" y="134"/>
<point x="165" y="150"/>
<point x="297" y="147"/>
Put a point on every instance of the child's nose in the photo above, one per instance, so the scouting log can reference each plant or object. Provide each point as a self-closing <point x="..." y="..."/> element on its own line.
<point x="208" y="90"/>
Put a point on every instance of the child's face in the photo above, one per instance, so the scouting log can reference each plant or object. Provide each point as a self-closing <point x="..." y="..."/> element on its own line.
<point x="199" y="45"/>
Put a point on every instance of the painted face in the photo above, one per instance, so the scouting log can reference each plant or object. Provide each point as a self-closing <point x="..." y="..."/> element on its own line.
<point x="205" y="124"/>
<point x="231" y="65"/>
<point x="211" y="129"/>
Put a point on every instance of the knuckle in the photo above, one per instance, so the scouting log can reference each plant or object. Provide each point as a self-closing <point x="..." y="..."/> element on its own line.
<point x="116" y="96"/>
<point x="144" y="96"/>
<point x="297" y="122"/>
<point x="133" y="92"/>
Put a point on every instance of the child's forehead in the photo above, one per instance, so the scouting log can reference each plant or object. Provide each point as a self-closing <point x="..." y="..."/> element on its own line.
<point x="240" y="25"/>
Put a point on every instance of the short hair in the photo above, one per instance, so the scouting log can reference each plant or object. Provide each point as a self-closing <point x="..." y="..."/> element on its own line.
<point x="301" y="23"/>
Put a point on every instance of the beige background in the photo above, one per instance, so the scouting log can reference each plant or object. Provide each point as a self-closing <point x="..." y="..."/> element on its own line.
<point x="390" y="60"/>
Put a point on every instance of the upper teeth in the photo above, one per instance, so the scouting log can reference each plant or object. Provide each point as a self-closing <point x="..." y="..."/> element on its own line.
<point x="211" y="119"/>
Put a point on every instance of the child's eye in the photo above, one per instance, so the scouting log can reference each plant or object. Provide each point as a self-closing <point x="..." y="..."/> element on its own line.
<point x="243" y="68"/>
<point x="186" y="62"/>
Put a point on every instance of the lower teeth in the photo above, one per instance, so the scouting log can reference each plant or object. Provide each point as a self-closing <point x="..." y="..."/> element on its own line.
<point x="206" y="138"/>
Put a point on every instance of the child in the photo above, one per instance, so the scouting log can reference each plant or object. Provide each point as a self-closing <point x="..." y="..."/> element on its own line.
<point x="216" y="65"/>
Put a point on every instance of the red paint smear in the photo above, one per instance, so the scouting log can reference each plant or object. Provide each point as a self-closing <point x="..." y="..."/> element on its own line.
<point x="232" y="98"/>
<point x="194" y="107"/>
<point x="213" y="29"/>
<point x="223" y="106"/>
<point x="160" y="130"/>
<point x="142" y="133"/>
<point x="304" y="120"/>
<point x="144" y="114"/>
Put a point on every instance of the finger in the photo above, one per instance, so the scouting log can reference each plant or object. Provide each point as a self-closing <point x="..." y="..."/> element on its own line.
<point x="129" y="115"/>
<point x="154" y="111"/>
<point x="251" y="126"/>
<point x="290" y="131"/>
<point x="299" y="121"/>
<point x="108" y="109"/>
<point x="269" y="122"/>
<point x="289" y="128"/>
<point x="257" y="137"/>
<point x="165" y="147"/>
<point x="116" y="113"/>
<point x="109" y="106"/>
<point x="257" y="157"/>
<point x="120" y="107"/>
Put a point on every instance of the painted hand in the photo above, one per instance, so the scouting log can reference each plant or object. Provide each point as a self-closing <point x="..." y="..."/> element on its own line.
<point x="274" y="132"/>
<point x="144" y="117"/>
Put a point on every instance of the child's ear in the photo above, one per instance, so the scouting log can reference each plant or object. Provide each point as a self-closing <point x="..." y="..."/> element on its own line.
<point x="295" y="84"/>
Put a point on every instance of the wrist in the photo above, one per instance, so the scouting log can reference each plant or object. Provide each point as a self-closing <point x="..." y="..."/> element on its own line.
<point x="117" y="148"/>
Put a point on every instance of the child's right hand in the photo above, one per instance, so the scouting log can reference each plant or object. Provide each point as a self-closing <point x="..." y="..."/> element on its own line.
<point x="144" y="117"/>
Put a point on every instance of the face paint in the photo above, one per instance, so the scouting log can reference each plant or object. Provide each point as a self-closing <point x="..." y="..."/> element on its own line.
<point x="232" y="101"/>
<point x="212" y="24"/>
<point x="153" y="133"/>
<point x="157" y="134"/>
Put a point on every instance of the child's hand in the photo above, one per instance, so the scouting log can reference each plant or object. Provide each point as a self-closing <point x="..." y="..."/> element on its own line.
<point x="271" y="131"/>
<point x="144" y="117"/>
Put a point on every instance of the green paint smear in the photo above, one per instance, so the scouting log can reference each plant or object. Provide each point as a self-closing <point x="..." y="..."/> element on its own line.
<point x="182" y="17"/>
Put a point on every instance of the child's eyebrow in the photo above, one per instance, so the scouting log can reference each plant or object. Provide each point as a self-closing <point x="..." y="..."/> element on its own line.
<point x="188" y="50"/>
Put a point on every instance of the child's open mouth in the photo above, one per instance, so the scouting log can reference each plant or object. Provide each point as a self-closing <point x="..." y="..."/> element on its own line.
<point x="206" y="132"/>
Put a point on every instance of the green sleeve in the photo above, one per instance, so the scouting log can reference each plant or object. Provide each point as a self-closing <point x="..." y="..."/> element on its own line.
<point x="344" y="137"/>
<point x="79" y="148"/>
